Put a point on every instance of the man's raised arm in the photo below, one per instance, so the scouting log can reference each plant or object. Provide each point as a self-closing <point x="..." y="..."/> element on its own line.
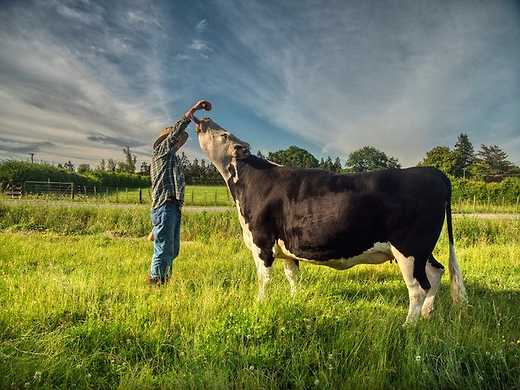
<point x="178" y="136"/>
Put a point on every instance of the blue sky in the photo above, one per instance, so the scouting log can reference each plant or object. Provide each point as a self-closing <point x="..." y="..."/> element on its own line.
<point x="80" y="79"/>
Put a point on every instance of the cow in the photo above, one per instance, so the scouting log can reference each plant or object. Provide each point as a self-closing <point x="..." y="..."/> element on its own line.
<point x="338" y="220"/>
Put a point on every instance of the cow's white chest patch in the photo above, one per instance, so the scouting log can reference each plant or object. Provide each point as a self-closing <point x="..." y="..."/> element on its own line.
<point x="379" y="253"/>
<point x="246" y="232"/>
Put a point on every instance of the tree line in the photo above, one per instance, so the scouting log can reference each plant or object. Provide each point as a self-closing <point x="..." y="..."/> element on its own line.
<point x="489" y="163"/>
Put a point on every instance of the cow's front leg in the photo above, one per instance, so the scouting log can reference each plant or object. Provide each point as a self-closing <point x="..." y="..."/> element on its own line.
<point x="292" y="270"/>
<point x="263" y="273"/>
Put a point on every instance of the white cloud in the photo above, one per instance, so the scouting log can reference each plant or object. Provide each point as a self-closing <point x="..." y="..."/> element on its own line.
<point x="199" y="45"/>
<point x="343" y="77"/>
<point x="65" y="99"/>
<point x="202" y="25"/>
<point x="401" y="78"/>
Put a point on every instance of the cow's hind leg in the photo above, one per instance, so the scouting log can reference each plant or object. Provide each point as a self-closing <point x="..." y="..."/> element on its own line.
<point x="434" y="272"/>
<point x="409" y="266"/>
<point x="292" y="269"/>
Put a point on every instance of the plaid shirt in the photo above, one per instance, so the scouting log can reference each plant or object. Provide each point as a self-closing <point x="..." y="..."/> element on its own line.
<point x="166" y="169"/>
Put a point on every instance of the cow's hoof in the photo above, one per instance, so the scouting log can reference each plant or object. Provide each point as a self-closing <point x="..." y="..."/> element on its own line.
<point x="410" y="323"/>
<point x="427" y="313"/>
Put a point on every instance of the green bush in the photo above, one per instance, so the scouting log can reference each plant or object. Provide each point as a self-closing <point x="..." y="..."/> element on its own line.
<point x="22" y="171"/>
<point x="506" y="191"/>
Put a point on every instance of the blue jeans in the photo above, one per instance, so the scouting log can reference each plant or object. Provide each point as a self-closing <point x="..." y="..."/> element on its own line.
<point x="166" y="220"/>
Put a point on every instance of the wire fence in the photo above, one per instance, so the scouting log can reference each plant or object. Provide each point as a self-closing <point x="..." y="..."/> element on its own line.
<point x="203" y="195"/>
<point x="197" y="195"/>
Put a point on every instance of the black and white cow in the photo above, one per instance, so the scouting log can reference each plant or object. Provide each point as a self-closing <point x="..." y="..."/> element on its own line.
<point x="338" y="220"/>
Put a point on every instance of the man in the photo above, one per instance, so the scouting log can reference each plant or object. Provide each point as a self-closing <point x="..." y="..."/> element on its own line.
<point x="168" y="195"/>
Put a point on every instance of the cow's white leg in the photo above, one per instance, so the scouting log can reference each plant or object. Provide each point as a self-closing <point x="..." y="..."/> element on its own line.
<point x="416" y="293"/>
<point x="264" y="276"/>
<point x="434" y="275"/>
<point x="291" y="272"/>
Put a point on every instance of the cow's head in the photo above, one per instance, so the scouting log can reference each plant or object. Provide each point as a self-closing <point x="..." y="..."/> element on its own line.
<point x="220" y="145"/>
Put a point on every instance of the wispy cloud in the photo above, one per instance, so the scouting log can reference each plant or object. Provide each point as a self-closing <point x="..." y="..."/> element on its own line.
<point x="60" y="88"/>
<point x="89" y="76"/>
<point x="199" y="45"/>
<point x="201" y="26"/>
<point x="118" y="141"/>
<point x="401" y="78"/>
<point x="20" y="147"/>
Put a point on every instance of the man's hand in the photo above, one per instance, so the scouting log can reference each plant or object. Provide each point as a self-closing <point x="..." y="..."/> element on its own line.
<point x="200" y="105"/>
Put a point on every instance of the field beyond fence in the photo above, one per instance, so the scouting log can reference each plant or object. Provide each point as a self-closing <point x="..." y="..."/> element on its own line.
<point x="195" y="195"/>
<point x="205" y="195"/>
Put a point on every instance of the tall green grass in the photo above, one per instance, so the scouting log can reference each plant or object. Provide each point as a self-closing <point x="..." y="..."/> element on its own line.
<point x="131" y="222"/>
<point x="135" y="222"/>
<point x="75" y="312"/>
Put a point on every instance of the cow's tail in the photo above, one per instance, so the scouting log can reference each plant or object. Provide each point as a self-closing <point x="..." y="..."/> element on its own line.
<point x="458" y="291"/>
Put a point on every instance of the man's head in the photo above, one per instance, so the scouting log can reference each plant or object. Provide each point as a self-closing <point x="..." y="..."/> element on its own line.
<point x="219" y="144"/>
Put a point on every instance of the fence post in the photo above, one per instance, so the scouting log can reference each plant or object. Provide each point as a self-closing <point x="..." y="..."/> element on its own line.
<point x="474" y="203"/>
<point x="192" y="191"/>
<point x="140" y="196"/>
<point x="517" y="200"/>
<point x="117" y="194"/>
<point x="95" y="192"/>
<point x="72" y="191"/>
<point x="215" y="202"/>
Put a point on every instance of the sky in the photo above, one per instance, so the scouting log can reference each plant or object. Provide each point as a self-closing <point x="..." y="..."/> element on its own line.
<point x="81" y="79"/>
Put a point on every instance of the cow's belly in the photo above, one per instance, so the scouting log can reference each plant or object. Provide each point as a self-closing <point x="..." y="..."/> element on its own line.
<point x="379" y="253"/>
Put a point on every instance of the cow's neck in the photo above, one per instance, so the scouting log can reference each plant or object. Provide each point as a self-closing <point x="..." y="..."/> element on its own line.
<point x="247" y="175"/>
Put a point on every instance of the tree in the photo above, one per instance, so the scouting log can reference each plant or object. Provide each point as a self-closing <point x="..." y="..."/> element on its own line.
<point x="491" y="160"/>
<point x="111" y="165"/>
<point x="440" y="157"/>
<point x="102" y="166"/>
<point x="329" y="165"/>
<point x="368" y="159"/>
<point x="144" y="170"/>
<point x="463" y="155"/>
<point x="185" y="161"/>
<point x="336" y="167"/>
<point x="294" y="157"/>
<point x="83" y="168"/>
<point x="130" y="161"/>
<point x="69" y="166"/>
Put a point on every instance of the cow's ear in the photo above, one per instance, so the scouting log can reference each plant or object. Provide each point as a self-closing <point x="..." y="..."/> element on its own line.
<point x="240" y="151"/>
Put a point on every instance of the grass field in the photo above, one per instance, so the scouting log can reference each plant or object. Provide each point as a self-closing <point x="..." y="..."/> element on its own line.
<point x="195" y="195"/>
<point x="75" y="312"/>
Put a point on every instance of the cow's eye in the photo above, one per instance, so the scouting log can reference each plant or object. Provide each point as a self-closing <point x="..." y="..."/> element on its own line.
<point x="224" y="136"/>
